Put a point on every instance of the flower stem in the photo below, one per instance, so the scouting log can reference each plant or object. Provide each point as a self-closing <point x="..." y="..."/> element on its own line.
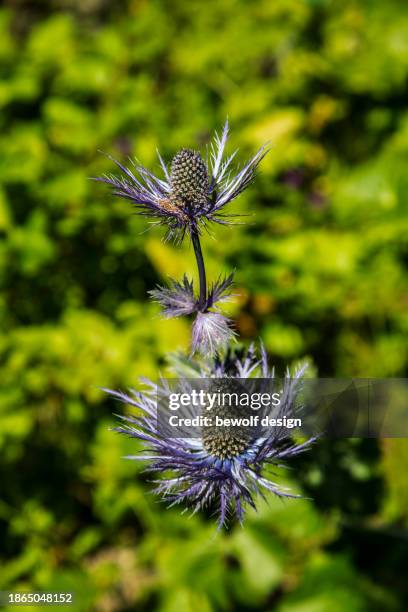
<point x="201" y="269"/>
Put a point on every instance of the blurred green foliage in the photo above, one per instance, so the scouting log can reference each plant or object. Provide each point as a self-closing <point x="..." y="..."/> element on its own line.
<point x="321" y="272"/>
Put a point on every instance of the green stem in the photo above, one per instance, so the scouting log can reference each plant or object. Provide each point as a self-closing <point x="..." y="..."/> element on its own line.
<point x="201" y="269"/>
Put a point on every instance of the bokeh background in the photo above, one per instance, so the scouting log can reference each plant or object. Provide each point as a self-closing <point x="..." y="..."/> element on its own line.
<point x="321" y="272"/>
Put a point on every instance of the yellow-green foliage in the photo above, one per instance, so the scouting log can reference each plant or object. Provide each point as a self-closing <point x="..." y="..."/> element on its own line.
<point x="321" y="272"/>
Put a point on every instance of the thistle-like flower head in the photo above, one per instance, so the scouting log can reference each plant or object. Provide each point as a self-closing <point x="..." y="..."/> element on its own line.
<point x="192" y="191"/>
<point x="221" y="469"/>
<point x="211" y="329"/>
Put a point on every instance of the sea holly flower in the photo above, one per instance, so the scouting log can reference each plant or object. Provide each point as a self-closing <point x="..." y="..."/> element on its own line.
<point x="211" y="330"/>
<point x="192" y="191"/>
<point x="224" y="470"/>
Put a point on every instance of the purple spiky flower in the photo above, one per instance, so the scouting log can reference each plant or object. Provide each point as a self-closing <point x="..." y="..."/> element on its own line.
<point x="192" y="191"/>
<point x="226" y="473"/>
<point x="211" y="329"/>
